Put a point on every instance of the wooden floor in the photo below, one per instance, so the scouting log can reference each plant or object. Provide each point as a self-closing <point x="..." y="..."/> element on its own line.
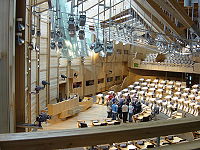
<point x="98" y="112"/>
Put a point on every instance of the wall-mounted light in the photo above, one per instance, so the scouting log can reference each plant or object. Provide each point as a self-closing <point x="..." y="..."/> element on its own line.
<point x="75" y="75"/>
<point x="52" y="45"/>
<point x="38" y="33"/>
<point x="20" y="41"/>
<point x="44" y="83"/>
<point x="63" y="76"/>
<point x="30" y="46"/>
<point x="20" y="26"/>
<point x="37" y="48"/>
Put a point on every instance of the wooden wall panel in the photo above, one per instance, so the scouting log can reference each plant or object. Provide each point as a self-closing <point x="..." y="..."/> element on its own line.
<point x="43" y="62"/>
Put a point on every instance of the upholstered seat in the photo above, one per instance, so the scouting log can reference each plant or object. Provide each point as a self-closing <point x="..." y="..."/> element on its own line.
<point x="141" y="79"/>
<point x="186" y="106"/>
<point x="124" y="91"/>
<point x="197" y="98"/>
<point x="194" y="91"/>
<point x="152" y="85"/>
<point x="177" y="94"/>
<point x="186" y="90"/>
<point x="191" y="107"/>
<point x="136" y="83"/>
<point x="168" y="97"/>
<point x="184" y="95"/>
<point x="148" y="80"/>
<point x="141" y="95"/>
<point x="195" y="86"/>
<point x="130" y="87"/>
<point x="149" y="95"/>
<point x="133" y="92"/>
<point x="151" y="90"/>
<point x="155" y="81"/>
<point x="180" y="103"/>
<point x="144" y="84"/>
<point x="191" y="97"/>
<point x="197" y="109"/>
<point x="159" y="93"/>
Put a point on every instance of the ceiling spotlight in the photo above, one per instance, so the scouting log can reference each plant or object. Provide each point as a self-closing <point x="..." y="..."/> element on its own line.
<point x="82" y="20"/>
<point x="72" y="33"/>
<point x="71" y="24"/>
<point x="81" y="34"/>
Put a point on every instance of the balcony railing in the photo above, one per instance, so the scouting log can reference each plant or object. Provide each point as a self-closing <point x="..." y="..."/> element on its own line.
<point x="81" y="137"/>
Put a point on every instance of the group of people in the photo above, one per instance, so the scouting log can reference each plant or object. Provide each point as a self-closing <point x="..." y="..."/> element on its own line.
<point x="123" y="108"/>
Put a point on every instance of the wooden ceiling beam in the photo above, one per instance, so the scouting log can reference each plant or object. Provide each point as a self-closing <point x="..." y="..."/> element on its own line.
<point x="151" y="18"/>
<point x="38" y="2"/>
<point x="183" y="15"/>
<point x="155" y="9"/>
<point x="170" y="10"/>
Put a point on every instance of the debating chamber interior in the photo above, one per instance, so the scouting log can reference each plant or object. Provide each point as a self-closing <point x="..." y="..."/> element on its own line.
<point x="99" y="74"/>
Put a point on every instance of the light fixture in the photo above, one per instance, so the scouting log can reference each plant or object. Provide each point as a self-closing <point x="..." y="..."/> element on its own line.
<point x="52" y="45"/>
<point x="75" y="75"/>
<point x="81" y="34"/>
<point x="82" y="20"/>
<point x="60" y="44"/>
<point x="44" y="83"/>
<point x="20" y="26"/>
<point x="63" y="76"/>
<point x="20" y="41"/>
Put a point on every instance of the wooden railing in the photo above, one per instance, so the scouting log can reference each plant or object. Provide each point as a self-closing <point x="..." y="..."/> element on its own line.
<point x="99" y="135"/>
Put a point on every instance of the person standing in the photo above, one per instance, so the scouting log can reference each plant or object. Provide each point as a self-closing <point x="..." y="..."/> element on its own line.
<point x="120" y="111"/>
<point x="114" y="111"/>
<point x="125" y="112"/>
<point x="109" y="111"/>
<point x="130" y="112"/>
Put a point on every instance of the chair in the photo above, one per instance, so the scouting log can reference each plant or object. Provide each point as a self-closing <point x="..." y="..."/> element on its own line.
<point x="169" y="89"/>
<point x="191" y="97"/>
<point x="141" y="95"/>
<point x="136" y="83"/>
<point x="144" y="84"/>
<point x="159" y="93"/>
<point x="149" y="95"/>
<point x="152" y="85"/>
<point x="191" y="107"/>
<point x="131" y="87"/>
<point x="197" y="109"/>
<point x="186" y="106"/>
<point x="168" y="98"/>
<point x="180" y="103"/>
<point x="81" y="124"/>
<point x="177" y="94"/>
<point x="141" y="80"/>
